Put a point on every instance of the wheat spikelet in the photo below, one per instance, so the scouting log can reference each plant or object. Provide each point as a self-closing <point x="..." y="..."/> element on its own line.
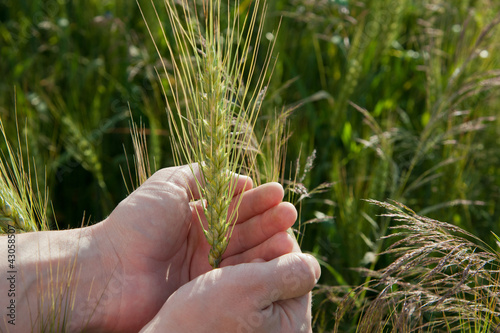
<point x="214" y="132"/>
<point x="10" y="214"/>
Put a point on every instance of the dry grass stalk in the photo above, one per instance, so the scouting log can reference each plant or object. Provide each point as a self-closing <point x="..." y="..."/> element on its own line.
<point x="56" y="297"/>
<point x="443" y="278"/>
<point x="142" y="165"/>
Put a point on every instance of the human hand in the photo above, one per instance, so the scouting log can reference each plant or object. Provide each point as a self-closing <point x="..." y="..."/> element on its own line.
<point x="261" y="297"/>
<point x="153" y="243"/>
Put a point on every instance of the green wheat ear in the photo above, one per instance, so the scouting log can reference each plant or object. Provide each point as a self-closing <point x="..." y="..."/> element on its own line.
<point x="22" y="205"/>
<point x="212" y="111"/>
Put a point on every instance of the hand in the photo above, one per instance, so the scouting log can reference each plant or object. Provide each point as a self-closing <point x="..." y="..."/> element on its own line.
<point x="272" y="296"/>
<point x="152" y="243"/>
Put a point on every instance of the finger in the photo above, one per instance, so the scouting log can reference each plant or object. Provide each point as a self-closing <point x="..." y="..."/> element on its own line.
<point x="258" y="200"/>
<point x="261" y="227"/>
<point x="286" y="277"/>
<point x="276" y="246"/>
<point x="243" y="184"/>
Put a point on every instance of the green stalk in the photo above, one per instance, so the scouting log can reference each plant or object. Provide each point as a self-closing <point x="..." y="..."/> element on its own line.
<point x="23" y="206"/>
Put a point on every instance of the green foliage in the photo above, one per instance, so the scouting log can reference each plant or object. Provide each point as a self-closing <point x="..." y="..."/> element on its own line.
<point x="398" y="99"/>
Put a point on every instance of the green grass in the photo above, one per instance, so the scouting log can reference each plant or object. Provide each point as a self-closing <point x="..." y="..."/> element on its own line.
<point x="398" y="99"/>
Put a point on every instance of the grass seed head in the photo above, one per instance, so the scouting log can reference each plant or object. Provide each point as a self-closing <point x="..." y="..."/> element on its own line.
<point x="214" y="110"/>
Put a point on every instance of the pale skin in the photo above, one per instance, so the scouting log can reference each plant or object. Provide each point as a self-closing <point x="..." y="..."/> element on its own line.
<point x="145" y="267"/>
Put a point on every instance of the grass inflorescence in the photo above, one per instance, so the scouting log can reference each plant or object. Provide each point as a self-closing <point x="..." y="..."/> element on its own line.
<point x="442" y="278"/>
<point x="398" y="99"/>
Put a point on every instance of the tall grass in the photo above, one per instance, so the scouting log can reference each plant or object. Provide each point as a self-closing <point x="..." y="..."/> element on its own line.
<point x="395" y="126"/>
<point x="214" y="109"/>
<point x="442" y="278"/>
<point x="402" y="136"/>
<point x="24" y="207"/>
<point x="23" y="204"/>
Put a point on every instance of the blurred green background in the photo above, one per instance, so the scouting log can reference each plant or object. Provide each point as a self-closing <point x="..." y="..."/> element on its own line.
<point x="397" y="99"/>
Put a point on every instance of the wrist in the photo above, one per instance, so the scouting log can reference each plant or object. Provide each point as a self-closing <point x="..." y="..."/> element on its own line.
<point x="97" y="281"/>
<point x="57" y="275"/>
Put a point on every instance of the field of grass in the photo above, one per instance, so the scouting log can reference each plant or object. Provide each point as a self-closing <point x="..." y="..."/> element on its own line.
<point x="388" y="100"/>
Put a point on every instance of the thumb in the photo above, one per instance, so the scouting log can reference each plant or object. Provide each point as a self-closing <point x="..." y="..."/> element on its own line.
<point x="286" y="277"/>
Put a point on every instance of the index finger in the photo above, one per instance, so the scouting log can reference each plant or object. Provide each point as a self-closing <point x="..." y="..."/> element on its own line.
<point x="258" y="200"/>
<point x="190" y="178"/>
